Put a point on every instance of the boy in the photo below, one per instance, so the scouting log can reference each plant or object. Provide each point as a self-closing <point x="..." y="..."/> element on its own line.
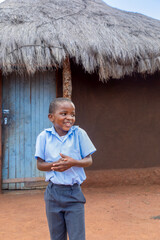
<point x="63" y="151"/>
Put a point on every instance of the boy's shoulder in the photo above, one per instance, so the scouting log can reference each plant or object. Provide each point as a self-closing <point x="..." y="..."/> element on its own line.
<point x="78" y="130"/>
<point x="45" y="131"/>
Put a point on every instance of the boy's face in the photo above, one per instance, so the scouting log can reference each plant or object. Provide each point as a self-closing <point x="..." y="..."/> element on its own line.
<point x="63" y="118"/>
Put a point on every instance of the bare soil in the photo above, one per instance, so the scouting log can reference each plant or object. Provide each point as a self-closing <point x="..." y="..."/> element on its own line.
<point x="119" y="213"/>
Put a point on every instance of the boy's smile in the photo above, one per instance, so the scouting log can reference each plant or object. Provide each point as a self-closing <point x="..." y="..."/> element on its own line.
<point x="63" y="118"/>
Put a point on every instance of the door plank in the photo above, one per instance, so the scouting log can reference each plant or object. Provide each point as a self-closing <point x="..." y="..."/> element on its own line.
<point x="5" y="139"/>
<point x="11" y="129"/>
<point x="17" y="131"/>
<point x="0" y="131"/>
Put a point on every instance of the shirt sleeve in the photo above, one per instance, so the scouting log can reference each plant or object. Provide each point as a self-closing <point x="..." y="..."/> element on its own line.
<point x="40" y="146"/>
<point x="86" y="145"/>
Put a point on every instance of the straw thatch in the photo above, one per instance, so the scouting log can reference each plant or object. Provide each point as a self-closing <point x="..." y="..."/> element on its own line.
<point x="40" y="33"/>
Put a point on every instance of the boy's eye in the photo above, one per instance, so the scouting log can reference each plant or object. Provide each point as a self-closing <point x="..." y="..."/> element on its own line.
<point x="64" y="114"/>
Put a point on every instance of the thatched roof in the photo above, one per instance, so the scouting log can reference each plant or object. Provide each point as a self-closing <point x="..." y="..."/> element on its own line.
<point x="39" y="33"/>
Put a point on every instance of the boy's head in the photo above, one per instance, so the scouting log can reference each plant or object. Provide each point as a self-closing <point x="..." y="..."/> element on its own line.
<point x="54" y="104"/>
<point x="62" y="115"/>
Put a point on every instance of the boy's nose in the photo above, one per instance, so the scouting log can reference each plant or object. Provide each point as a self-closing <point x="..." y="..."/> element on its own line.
<point x="69" y="117"/>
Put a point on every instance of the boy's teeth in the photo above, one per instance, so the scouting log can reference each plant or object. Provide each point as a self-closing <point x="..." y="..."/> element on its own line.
<point x="68" y="123"/>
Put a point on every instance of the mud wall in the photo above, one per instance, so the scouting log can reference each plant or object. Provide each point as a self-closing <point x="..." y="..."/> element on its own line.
<point x="122" y="117"/>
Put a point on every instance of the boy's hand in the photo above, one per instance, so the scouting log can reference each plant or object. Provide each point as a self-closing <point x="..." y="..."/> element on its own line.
<point x="64" y="163"/>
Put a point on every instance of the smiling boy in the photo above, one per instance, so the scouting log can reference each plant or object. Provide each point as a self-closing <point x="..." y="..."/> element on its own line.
<point x="63" y="151"/>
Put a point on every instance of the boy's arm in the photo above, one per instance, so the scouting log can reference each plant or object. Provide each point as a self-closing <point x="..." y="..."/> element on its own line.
<point x="43" y="166"/>
<point x="85" y="162"/>
<point x="67" y="162"/>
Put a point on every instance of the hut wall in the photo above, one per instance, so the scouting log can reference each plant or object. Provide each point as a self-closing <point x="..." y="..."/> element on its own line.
<point x="121" y="117"/>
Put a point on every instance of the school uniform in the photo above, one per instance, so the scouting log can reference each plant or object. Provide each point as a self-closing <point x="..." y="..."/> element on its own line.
<point x="63" y="196"/>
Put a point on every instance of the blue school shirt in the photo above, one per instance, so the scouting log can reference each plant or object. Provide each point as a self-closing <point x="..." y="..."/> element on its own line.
<point x="75" y="144"/>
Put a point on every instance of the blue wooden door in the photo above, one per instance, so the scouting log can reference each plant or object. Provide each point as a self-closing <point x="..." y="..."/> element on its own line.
<point x="25" y="114"/>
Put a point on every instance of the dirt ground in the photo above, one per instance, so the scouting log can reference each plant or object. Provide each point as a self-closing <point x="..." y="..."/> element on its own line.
<point x="119" y="213"/>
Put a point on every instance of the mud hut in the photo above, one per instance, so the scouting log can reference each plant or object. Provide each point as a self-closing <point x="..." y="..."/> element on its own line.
<point x="54" y="47"/>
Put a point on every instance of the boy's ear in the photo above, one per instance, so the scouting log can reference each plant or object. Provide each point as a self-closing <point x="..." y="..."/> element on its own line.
<point x="51" y="117"/>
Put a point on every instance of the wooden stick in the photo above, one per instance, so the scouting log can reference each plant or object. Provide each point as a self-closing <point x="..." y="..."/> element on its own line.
<point x="21" y="180"/>
<point x="67" y="80"/>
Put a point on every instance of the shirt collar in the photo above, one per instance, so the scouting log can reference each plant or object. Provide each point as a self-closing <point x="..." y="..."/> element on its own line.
<point x="53" y="131"/>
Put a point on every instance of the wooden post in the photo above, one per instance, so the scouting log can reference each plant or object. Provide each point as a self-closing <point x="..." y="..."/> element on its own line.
<point x="59" y="83"/>
<point x="0" y="131"/>
<point x="67" y="80"/>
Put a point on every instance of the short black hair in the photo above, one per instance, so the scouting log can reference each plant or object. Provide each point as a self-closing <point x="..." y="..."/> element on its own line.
<point x="53" y="104"/>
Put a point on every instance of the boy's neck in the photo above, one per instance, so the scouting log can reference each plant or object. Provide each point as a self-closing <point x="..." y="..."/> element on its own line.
<point x="60" y="133"/>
